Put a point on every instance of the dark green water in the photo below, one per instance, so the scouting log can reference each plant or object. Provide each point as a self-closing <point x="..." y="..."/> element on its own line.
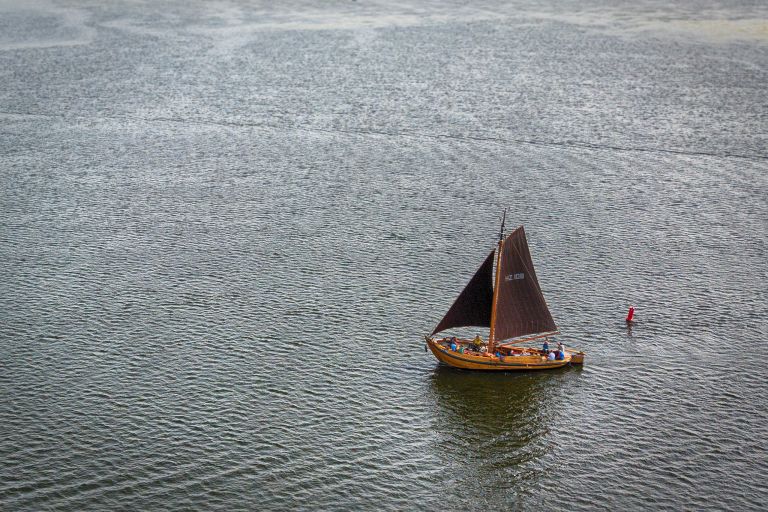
<point x="226" y="227"/>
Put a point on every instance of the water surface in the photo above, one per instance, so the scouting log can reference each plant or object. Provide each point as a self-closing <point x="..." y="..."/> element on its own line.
<point x="227" y="226"/>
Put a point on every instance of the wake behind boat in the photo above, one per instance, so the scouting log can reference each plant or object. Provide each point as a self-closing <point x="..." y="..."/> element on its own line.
<point x="512" y="305"/>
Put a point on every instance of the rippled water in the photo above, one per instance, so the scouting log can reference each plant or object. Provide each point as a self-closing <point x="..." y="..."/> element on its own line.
<point x="226" y="227"/>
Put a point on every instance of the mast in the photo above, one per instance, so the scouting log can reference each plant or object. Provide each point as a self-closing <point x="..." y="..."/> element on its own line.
<point x="491" y="334"/>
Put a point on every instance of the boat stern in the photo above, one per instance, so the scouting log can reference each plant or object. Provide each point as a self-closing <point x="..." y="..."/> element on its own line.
<point x="577" y="357"/>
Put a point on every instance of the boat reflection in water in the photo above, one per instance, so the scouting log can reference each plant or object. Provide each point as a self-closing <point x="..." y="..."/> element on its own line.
<point x="495" y="431"/>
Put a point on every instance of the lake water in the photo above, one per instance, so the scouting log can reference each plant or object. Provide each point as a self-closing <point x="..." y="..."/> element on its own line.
<point x="226" y="227"/>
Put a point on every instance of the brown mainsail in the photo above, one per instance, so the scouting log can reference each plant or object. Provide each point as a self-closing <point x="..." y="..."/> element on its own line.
<point x="520" y="307"/>
<point x="472" y="307"/>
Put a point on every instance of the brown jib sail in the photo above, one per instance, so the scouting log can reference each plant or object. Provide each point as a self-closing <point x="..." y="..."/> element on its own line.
<point x="472" y="307"/>
<point x="520" y="306"/>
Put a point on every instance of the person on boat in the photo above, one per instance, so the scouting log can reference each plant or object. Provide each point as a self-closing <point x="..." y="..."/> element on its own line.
<point x="546" y="345"/>
<point x="453" y="343"/>
<point x="477" y="343"/>
<point x="560" y="351"/>
<point x="551" y="356"/>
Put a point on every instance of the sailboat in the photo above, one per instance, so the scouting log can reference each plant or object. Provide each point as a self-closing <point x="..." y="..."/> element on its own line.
<point x="512" y="305"/>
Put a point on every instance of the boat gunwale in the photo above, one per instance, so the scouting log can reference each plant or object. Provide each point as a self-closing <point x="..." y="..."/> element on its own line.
<point x="532" y="365"/>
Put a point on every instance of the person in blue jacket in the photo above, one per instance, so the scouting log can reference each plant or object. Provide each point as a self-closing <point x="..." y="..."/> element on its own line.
<point x="560" y="351"/>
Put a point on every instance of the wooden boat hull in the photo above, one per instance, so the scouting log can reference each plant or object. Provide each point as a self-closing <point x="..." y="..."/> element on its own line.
<point x="487" y="362"/>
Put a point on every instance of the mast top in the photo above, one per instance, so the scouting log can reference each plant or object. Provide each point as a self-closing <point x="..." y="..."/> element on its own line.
<point x="503" y="220"/>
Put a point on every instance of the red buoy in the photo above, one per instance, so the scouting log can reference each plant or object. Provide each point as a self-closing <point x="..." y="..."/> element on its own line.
<point x="631" y="314"/>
